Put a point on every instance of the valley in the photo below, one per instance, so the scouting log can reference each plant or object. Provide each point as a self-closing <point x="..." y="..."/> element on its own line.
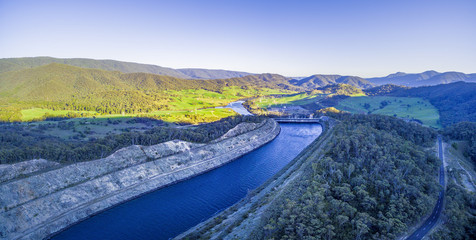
<point x="151" y="136"/>
<point x="249" y="120"/>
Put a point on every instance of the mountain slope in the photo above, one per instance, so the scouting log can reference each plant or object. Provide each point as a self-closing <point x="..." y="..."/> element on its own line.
<point x="318" y="80"/>
<point x="13" y="64"/>
<point x="423" y="79"/>
<point x="59" y="81"/>
<point x="341" y="89"/>
<point x="58" y="89"/>
<point x="198" y="73"/>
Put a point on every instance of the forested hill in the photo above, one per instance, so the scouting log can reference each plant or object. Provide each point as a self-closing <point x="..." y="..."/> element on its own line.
<point x="456" y="102"/>
<point x="427" y="78"/>
<point x="12" y="64"/>
<point x="316" y="81"/>
<point x="61" y="82"/>
<point x="199" y="73"/>
<point x="341" y="89"/>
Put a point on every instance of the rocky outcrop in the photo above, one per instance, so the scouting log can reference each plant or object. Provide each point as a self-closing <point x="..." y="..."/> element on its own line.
<point x="21" y="169"/>
<point x="239" y="129"/>
<point x="36" y="206"/>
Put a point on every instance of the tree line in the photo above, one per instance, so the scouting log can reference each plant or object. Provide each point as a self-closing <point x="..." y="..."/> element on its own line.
<point x="19" y="144"/>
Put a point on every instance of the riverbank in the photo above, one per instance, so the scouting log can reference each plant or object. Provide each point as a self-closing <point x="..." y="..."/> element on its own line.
<point x="238" y="221"/>
<point x="39" y="205"/>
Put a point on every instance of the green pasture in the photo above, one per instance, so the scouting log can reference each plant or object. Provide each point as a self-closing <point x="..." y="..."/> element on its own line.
<point x="192" y="99"/>
<point x="403" y="107"/>
<point x="294" y="99"/>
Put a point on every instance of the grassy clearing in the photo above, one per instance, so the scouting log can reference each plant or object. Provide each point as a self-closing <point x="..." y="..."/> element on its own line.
<point x="192" y="99"/>
<point x="294" y="99"/>
<point x="186" y="116"/>
<point x="403" y="107"/>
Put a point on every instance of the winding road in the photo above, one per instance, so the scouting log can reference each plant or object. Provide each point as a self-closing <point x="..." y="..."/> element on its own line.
<point x="435" y="215"/>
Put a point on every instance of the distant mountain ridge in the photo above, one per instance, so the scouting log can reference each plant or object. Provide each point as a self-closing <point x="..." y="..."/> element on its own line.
<point x="14" y="64"/>
<point x="199" y="73"/>
<point x="427" y="78"/>
<point x="319" y="80"/>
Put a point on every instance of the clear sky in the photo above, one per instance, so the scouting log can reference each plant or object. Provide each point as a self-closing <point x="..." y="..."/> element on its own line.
<point x="293" y="38"/>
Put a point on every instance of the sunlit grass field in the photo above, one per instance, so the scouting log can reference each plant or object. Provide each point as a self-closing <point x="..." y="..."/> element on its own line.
<point x="192" y="99"/>
<point x="191" y="106"/>
<point x="409" y="108"/>
<point x="294" y="99"/>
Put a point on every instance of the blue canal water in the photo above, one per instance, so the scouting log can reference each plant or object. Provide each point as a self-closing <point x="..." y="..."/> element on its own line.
<point x="167" y="212"/>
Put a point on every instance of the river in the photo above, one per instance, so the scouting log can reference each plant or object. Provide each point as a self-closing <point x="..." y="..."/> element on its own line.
<point x="238" y="108"/>
<point x="167" y="212"/>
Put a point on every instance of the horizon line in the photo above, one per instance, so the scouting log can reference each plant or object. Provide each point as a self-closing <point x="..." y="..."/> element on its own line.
<point x="244" y="71"/>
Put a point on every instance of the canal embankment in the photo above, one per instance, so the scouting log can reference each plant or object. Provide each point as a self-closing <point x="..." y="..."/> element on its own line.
<point x="38" y="205"/>
<point x="241" y="219"/>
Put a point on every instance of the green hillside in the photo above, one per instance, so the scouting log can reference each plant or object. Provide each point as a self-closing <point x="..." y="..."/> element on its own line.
<point x="456" y="102"/>
<point x="403" y="107"/>
<point x="318" y="80"/>
<point x="306" y="98"/>
<point x="198" y="73"/>
<point x="13" y="64"/>
<point x="59" y="90"/>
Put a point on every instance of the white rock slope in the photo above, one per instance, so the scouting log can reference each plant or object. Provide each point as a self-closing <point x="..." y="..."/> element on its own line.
<point x="45" y="202"/>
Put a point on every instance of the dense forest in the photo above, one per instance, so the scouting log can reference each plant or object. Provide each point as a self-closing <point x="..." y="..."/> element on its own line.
<point x="19" y="144"/>
<point x="374" y="182"/>
<point x="464" y="131"/>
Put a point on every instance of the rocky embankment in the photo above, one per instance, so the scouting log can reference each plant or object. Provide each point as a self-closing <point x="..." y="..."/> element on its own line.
<point x="36" y="202"/>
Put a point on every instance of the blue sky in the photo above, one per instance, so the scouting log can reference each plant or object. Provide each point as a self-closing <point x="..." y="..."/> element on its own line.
<point x="293" y="38"/>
